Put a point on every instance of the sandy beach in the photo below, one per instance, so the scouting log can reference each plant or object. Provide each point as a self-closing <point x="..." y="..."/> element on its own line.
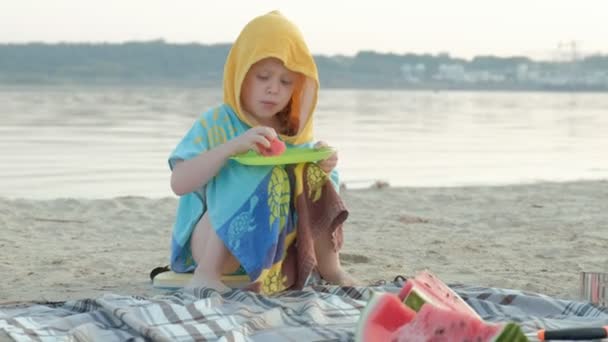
<point x="530" y="237"/>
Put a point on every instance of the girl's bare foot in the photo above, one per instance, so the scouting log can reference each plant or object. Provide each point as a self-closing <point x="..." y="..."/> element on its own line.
<point x="340" y="277"/>
<point x="200" y="280"/>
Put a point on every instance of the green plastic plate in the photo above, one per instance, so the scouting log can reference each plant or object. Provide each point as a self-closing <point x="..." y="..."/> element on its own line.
<point x="290" y="156"/>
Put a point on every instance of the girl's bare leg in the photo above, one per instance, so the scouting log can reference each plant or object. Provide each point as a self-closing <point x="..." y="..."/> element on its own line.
<point x="211" y="256"/>
<point x="328" y="260"/>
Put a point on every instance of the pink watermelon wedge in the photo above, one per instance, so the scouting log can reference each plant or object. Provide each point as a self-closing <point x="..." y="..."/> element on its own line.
<point x="433" y="324"/>
<point x="277" y="147"/>
<point x="427" y="288"/>
<point x="382" y="317"/>
<point x="427" y="310"/>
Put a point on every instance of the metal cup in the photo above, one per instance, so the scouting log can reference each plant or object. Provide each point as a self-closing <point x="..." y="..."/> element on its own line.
<point x="594" y="287"/>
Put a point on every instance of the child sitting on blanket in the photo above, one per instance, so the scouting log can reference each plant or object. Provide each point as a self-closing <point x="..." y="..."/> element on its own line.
<point x="273" y="223"/>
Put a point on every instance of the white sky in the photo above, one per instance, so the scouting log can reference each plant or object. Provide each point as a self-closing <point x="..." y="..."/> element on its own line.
<point x="463" y="28"/>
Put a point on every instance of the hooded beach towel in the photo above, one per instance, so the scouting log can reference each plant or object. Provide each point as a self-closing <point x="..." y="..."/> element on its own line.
<point x="259" y="212"/>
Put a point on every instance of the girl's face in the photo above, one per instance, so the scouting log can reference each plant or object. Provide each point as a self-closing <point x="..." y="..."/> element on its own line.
<point x="267" y="89"/>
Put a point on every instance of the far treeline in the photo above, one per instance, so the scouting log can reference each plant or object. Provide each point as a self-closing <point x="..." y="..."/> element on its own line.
<point x="158" y="62"/>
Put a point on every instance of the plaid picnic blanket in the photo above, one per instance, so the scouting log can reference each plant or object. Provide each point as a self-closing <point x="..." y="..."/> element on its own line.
<point x="316" y="313"/>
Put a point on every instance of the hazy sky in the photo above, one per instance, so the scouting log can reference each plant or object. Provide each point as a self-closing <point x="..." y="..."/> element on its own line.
<point x="461" y="27"/>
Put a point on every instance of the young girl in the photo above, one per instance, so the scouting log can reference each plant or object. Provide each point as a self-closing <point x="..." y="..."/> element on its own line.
<point x="273" y="223"/>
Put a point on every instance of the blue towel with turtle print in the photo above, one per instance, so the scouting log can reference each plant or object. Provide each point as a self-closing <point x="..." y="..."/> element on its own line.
<point x="251" y="208"/>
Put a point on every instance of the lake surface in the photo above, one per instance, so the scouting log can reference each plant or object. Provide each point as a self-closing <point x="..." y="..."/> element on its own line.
<point x="100" y="142"/>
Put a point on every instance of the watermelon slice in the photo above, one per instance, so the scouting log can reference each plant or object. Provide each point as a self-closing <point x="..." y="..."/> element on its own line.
<point x="427" y="288"/>
<point x="382" y="317"/>
<point x="427" y="310"/>
<point x="438" y="325"/>
<point x="277" y="147"/>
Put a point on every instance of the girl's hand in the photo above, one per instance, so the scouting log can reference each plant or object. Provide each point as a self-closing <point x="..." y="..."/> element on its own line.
<point x="247" y="141"/>
<point x="330" y="163"/>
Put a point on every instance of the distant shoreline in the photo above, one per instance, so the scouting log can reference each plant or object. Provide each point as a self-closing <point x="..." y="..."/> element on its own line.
<point x="177" y="84"/>
<point x="203" y="65"/>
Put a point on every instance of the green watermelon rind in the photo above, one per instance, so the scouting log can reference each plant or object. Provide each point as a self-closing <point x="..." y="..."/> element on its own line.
<point x="511" y="332"/>
<point x="415" y="300"/>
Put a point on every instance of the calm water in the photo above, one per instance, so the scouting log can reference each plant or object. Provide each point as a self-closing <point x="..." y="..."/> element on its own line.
<point x="100" y="142"/>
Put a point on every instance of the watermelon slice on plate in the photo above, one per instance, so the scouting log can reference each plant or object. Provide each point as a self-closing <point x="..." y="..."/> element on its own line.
<point x="289" y="156"/>
<point x="277" y="147"/>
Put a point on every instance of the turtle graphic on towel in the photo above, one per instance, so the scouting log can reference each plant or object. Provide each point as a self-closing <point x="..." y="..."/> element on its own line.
<point x="242" y="224"/>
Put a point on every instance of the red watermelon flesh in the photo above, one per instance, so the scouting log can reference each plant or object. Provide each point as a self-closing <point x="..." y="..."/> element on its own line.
<point x="433" y="324"/>
<point x="383" y="315"/>
<point x="427" y="288"/>
<point x="277" y="147"/>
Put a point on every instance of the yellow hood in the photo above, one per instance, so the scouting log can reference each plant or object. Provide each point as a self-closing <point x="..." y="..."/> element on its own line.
<point x="272" y="35"/>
